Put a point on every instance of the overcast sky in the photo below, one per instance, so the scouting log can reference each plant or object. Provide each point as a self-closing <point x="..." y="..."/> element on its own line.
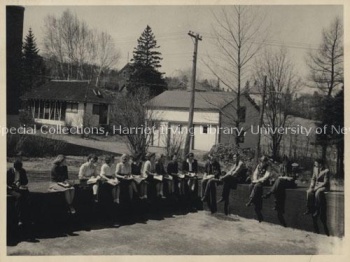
<point x="299" y="28"/>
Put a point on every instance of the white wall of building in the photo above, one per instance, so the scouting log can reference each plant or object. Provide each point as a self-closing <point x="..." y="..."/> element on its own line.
<point x="169" y="121"/>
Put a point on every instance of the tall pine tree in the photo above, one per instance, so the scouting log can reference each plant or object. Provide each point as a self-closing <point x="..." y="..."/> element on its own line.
<point x="33" y="68"/>
<point x="146" y="61"/>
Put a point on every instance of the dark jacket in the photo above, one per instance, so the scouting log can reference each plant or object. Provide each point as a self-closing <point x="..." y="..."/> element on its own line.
<point x="172" y="168"/>
<point x="136" y="169"/>
<point x="186" y="166"/>
<point x="59" y="173"/>
<point x="23" y="180"/>
<point x="160" y="168"/>
<point x="213" y="169"/>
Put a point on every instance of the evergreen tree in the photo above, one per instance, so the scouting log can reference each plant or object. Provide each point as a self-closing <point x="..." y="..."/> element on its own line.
<point x="33" y="67"/>
<point x="145" y="54"/>
<point x="146" y="61"/>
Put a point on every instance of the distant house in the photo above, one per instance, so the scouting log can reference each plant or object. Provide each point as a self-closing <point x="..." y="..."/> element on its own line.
<point x="214" y="114"/>
<point x="67" y="103"/>
<point x="124" y="76"/>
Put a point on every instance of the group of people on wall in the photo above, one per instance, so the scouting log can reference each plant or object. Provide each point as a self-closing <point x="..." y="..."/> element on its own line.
<point x="136" y="177"/>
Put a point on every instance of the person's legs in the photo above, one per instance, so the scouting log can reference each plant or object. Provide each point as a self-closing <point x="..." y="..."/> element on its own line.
<point x="319" y="200"/>
<point x="170" y="187"/>
<point x="134" y="187"/>
<point x="209" y="186"/>
<point x="204" y="185"/>
<point x="95" y="191"/>
<point x="255" y="194"/>
<point x="319" y="197"/>
<point x="19" y="205"/>
<point x="212" y="190"/>
<point x="228" y="183"/>
<point x="161" y="189"/>
<point x="145" y="189"/>
<point x="130" y="190"/>
<point x="310" y="200"/>
<point x="183" y="187"/>
<point x="72" y="194"/>
<point x="225" y="191"/>
<point x="117" y="192"/>
<point x="69" y="196"/>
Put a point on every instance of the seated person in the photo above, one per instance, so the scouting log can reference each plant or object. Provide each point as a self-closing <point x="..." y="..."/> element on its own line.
<point x="88" y="176"/>
<point x="136" y="168"/>
<point x="260" y="177"/>
<point x="109" y="179"/>
<point x="123" y="173"/>
<point x="212" y="173"/>
<point x="319" y="185"/>
<point x="173" y="170"/>
<point x="278" y="189"/>
<point x="190" y="169"/>
<point x="160" y="172"/>
<point x="60" y="183"/>
<point x="149" y="171"/>
<point x="17" y="182"/>
<point x="230" y="178"/>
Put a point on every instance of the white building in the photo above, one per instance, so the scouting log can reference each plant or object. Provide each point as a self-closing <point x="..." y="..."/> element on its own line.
<point x="214" y="112"/>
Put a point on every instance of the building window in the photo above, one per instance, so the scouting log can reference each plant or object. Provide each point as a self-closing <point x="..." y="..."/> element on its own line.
<point x="241" y="114"/>
<point x="204" y="129"/>
<point x="72" y="108"/>
<point x="96" y="109"/>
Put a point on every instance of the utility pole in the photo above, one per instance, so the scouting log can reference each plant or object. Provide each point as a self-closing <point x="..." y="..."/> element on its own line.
<point x="190" y="119"/>
<point x="261" y="120"/>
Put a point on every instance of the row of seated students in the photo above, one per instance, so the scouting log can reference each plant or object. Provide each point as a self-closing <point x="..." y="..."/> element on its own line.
<point x="137" y="176"/>
<point x="130" y="173"/>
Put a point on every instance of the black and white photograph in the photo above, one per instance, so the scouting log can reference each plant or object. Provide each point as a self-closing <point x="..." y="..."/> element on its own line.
<point x="190" y="129"/>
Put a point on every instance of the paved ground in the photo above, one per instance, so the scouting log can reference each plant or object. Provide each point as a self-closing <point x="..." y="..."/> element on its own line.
<point x="192" y="234"/>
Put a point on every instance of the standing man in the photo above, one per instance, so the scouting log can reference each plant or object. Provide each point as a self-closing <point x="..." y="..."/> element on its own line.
<point x="260" y="177"/>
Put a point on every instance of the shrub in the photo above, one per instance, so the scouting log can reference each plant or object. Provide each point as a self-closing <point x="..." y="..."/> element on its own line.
<point x="224" y="153"/>
<point x="34" y="146"/>
<point x="26" y="118"/>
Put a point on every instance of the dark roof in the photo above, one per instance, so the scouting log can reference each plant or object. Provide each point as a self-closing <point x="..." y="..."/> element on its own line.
<point x="74" y="91"/>
<point x="181" y="99"/>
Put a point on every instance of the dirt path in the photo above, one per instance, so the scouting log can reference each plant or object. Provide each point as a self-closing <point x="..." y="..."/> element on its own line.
<point x="194" y="234"/>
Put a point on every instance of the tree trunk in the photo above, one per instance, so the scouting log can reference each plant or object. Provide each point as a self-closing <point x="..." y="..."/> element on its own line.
<point x="340" y="160"/>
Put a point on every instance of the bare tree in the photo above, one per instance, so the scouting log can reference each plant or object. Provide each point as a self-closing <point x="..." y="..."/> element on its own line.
<point x="239" y="34"/>
<point x="53" y="46"/>
<point x="130" y="114"/>
<point x="106" y="54"/>
<point x="72" y="45"/>
<point x="327" y="72"/>
<point x="326" y="63"/>
<point x="282" y="83"/>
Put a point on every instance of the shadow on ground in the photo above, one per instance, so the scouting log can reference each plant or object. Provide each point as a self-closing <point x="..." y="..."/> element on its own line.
<point x="51" y="219"/>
